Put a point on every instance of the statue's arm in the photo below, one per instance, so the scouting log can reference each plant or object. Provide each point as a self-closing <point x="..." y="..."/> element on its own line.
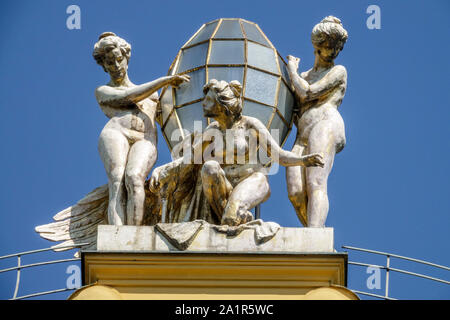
<point x="334" y="78"/>
<point x="119" y="97"/>
<point x="276" y="153"/>
<point x="299" y="85"/>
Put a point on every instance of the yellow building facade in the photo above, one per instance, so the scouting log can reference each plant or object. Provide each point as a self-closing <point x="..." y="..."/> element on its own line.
<point x="213" y="276"/>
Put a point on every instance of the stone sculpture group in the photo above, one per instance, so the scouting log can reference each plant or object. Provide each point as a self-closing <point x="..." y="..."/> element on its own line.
<point x="224" y="184"/>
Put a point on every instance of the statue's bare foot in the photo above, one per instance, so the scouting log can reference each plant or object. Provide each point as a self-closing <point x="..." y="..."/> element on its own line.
<point x="240" y="217"/>
<point x="245" y="217"/>
<point x="231" y="221"/>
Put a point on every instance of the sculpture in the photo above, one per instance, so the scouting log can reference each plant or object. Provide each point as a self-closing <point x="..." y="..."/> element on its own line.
<point x="320" y="91"/>
<point x="224" y="184"/>
<point x="127" y="143"/>
<point x="184" y="190"/>
<point x="230" y="187"/>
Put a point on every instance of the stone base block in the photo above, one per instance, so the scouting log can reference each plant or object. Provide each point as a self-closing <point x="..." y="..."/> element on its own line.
<point x="207" y="239"/>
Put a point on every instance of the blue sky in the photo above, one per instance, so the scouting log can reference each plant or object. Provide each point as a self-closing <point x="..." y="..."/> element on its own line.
<point x="389" y="187"/>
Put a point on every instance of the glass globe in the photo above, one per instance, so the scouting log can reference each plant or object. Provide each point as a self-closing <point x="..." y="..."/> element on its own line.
<point x="229" y="49"/>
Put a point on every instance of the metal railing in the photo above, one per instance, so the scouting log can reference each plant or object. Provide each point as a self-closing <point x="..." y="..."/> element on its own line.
<point x="19" y="267"/>
<point x="388" y="269"/>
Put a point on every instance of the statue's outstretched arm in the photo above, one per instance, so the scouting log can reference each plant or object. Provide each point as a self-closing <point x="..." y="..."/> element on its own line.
<point x="120" y="97"/>
<point x="335" y="77"/>
<point x="283" y="157"/>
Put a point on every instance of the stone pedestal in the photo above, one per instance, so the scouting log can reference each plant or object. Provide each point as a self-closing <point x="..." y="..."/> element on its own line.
<point x="286" y="240"/>
<point x="141" y="263"/>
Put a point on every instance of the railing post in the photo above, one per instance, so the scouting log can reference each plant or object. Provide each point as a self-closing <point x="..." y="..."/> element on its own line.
<point x="18" y="278"/>
<point x="257" y="212"/>
<point x="387" y="275"/>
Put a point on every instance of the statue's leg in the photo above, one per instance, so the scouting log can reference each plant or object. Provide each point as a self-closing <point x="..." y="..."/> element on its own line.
<point x="113" y="148"/>
<point x="216" y="187"/>
<point x="296" y="185"/>
<point x="141" y="158"/>
<point x="321" y="140"/>
<point x="250" y="192"/>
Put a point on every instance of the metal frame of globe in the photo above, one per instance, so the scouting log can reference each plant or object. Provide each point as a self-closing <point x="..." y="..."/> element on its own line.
<point x="169" y="105"/>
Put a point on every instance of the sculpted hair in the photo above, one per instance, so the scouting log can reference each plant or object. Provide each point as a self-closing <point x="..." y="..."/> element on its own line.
<point x="329" y="30"/>
<point x="107" y="39"/>
<point x="227" y="94"/>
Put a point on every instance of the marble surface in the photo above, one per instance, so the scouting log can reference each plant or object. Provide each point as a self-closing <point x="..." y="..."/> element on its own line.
<point x="148" y="238"/>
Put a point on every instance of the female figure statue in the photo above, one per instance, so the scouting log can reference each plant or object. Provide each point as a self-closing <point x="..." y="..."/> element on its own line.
<point x="320" y="91"/>
<point x="231" y="187"/>
<point x="127" y="143"/>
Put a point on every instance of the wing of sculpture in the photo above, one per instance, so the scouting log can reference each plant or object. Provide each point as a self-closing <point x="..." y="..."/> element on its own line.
<point x="77" y="224"/>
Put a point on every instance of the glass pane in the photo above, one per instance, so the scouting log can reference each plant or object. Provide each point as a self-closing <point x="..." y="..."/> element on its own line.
<point x="169" y="129"/>
<point x="262" y="57"/>
<point x="285" y="102"/>
<point x="284" y="72"/>
<point x="259" y="111"/>
<point x="193" y="57"/>
<point x="166" y="102"/>
<point x="278" y="124"/>
<point x="190" y="113"/>
<point x="192" y="90"/>
<point x="261" y="86"/>
<point x="226" y="73"/>
<point x="204" y="34"/>
<point x="229" y="29"/>
<point x="253" y="33"/>
<point x="227" y="52"/>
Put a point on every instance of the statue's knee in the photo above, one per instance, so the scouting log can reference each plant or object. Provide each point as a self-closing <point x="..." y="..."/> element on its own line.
<point x="316" y="183"/>
<point x="211" y="168"/>
<point x="316" y="191"/>
<point x="133" y="181"/>
<point x="116" y="175"/>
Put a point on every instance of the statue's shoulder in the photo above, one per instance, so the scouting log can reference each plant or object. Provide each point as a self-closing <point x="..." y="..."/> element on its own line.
<point x="340" y="69"/>
<point x="253" y="122"/>
<point x="103" y="89"/>
<point x="103" y="93"/>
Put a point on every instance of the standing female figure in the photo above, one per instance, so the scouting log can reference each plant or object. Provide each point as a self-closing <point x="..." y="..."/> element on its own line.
<point x="127" y="143"/>
<point x="320" y="91"/>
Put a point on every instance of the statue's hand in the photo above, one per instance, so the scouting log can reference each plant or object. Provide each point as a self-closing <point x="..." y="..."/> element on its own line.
<point x="157" y="179"/>
<point x="313" y="160"/>
<point x="179" y="79"/>
<point x="154" y="181"/>
<point x="161" y="178"/>
<point x="293" y="62"/>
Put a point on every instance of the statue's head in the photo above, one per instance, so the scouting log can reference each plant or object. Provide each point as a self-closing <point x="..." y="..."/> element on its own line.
<point x="328" y="38"/>
<point x="112" y="53"/>
<point x="222" y="97"/>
